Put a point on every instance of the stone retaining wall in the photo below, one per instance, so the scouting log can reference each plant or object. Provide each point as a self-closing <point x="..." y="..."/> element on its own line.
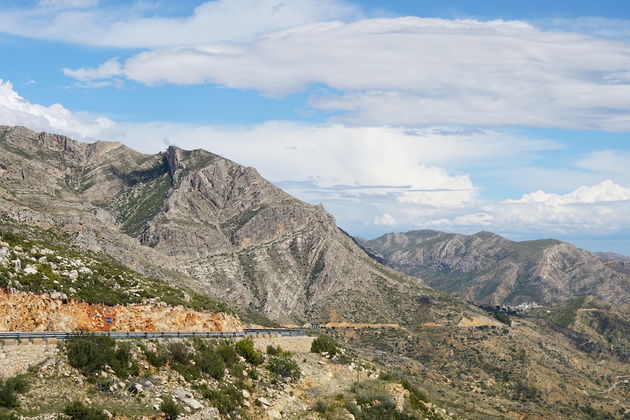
<point x="16" y="357"/>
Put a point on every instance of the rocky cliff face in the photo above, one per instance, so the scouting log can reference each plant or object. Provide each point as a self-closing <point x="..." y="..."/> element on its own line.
<point x="22" y="311"/>
<point x="488" y="268"/>
<point x="201" y="220"/>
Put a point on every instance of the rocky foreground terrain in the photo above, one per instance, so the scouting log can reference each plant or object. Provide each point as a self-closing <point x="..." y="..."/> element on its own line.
<point x="192" y="240"/>
<point x="487" y="268"/>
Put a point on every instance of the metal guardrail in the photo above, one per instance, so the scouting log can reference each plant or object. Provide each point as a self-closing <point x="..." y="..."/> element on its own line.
<point x="15" y="335"/>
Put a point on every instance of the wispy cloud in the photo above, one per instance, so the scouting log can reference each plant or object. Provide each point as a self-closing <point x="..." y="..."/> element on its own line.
<point x="414" y="71"/>
<point x="129" y="26"/>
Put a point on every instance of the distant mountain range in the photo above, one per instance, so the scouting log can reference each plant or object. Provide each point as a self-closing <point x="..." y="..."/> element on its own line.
<point x="488" y="268"/>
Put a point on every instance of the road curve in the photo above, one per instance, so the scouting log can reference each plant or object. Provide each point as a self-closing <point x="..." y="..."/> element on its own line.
<point x="62" y="335"/>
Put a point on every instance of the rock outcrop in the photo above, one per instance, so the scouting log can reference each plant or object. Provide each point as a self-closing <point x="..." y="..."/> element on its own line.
<point x="21" y="311"/>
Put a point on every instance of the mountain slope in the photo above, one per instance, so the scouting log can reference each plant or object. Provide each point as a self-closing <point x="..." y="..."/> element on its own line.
<point x="201" y="220"/>
<point x="488" y="268"/>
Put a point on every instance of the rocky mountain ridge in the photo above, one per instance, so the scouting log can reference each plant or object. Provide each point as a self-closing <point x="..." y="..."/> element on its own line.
<point x="197" y="219"/>
<point x="488" y="268"/>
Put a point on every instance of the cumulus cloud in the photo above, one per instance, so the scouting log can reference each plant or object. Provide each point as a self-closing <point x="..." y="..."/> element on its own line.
<point x="385" y="219"/>
<point x="599" y="209"/>
<point x="413" y="71"/>
<point x="129" y="26"/>
<point x="15" y="110"/>
<point x="604" y="191"/>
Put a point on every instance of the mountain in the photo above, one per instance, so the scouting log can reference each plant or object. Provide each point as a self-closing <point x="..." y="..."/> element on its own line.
<point x="202" y="221"/>
<point x="487" y="268"/>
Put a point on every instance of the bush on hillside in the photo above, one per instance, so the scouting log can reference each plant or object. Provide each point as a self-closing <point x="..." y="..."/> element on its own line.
<point x="78" y="411"/>
<point x="179" y="353"/>
<point x="245" y="348"/>
<point x="90" y="353"/>
<point x="325" y="344"/>
<point x="9" y="389"/>
<point x="210" y="362"/>
<point x="227" y="399"/>
<point x="274" y="351"/>
<point x="284" y="366"/>
<point x="170" y="408"/>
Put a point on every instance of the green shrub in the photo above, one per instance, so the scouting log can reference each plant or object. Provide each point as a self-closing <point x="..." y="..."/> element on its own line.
<point x="321" y="406"/>
<point x="274" y="351"/>
<point x="170" y="408"/>
<point x="502" y="317"/>
<point x="226" y="399"/>
<point x="8" y="416"/>
<point x="78" y="411"/>
<point x="210" y="362"/>
<point x="179" y="353"/>
<point x="283" y="365"/>
<point x="156" y="358"/>
<point x="228" y="354"/>
<point x="9" y="389"/>
<point x="324" y="343"/>
<point x="245" y="348"/>
<point x="90" y="353"/>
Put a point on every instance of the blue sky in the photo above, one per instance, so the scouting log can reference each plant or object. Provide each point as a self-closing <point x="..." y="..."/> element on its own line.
<point x="461" y="116"/>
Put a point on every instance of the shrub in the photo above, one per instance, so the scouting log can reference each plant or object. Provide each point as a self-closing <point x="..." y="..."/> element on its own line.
<point x="91" y="353"/>
<point x="274" y="351"/>
<point x="9" y="390"/>
<point x="78" y="411"/>
<point x="156" y="358"/>
<point x="8" y="416"/>
<point x="245" y="348"/>
<point x="321" y="406"/>
<point x="228" y="354"/>
<point x="170" y="408"/>
<point x="226" y="399"/>
<point x="502" y="317"/>
<point x="324" y="343"/>
<point x="179" y="353"/>
<point x="284" y="366"/>
<point x="210" y="362"/>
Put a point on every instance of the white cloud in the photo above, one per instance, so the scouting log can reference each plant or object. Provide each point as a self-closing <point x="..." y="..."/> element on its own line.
<point x="129" y="26"/>
<point x="15" y="110"/>
<point x="612" y="162"/>
<point x="385" y="219"/>
<point x="599" y="209"/>
<point x="413" y="71"/>
<point x="604" y="191"/>
<point x="383" y="177"/>
<point x="107" y="70"/>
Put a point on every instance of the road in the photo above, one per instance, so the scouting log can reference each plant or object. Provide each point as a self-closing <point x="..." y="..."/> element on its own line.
<point x="285" y="332"/>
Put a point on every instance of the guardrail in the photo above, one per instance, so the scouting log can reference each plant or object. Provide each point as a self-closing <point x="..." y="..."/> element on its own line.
<point x="15" y="335"/>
